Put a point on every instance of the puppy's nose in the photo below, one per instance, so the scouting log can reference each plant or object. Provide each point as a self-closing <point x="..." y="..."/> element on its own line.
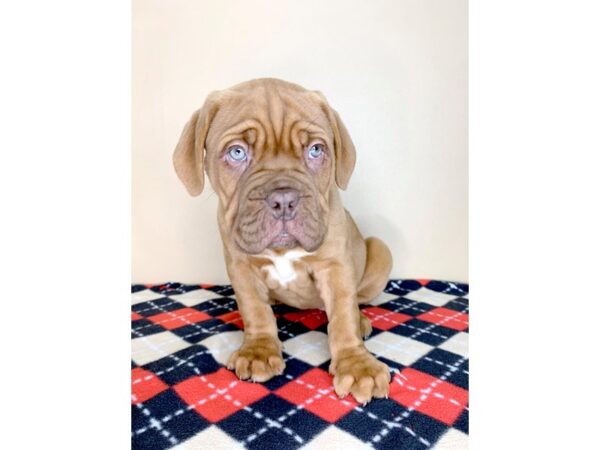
<point x="283" y="203"/>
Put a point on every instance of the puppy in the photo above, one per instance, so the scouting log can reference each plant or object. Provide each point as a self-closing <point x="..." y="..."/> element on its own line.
<point x="276" y="155"/>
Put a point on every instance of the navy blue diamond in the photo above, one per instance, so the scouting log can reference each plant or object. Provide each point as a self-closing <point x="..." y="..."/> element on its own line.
<point x="197" y="332"/>
<point x="439" y="363"/>
<point x="188" y="287"/>
<point x="288" y="329"/>
<point x="462" y="423"/>
<point x="403" y="434"/>
<point x="410" y="307"/>
<point x="224" y="290"/>
<point x="446" y="287"/>
<point x="293" y="368"/>
<point x="158" y="306"/>
<point x="137" y="288"/>
<point x="458" y="305"/>
<point x="172" y="415"/>
<point x="144" y="327"/>
<point x="169" y="288"/>
<point x="422" y="331"/>
<point x="184" y="364"/>
<point x="217" y="306"/>
<point x="402" y="287"/>
<point x="282" y="309"/>
<point x="287" y="431"/>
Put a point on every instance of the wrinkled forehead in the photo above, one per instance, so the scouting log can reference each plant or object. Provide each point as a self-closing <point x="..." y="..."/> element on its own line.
<point x="270" y="118"/>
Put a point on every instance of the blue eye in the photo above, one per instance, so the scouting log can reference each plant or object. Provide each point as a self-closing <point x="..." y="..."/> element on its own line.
<point x="237" y="153"/>
<point x="315" y="151"/>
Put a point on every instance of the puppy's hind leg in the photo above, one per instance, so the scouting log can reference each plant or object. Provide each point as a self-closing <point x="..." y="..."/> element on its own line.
<point x="365" y="326"/>
<point x="377" y="270"/>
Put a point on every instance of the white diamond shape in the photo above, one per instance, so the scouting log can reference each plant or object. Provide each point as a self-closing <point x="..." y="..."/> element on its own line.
<point x="428" y="296"/>
<point x="459" y="344"/>
<point x="309" y="347"/>
<point x="222" y="345"/>
<point x="195" y="297"/>
<point x="144" y="296"/>
<point x="382" y="298"/>
<point x="334" y="438"/>
<point x="453" y="440"/>
<point x="212" y="438"/>
<point x="150" y="348"/>
<point x="397" y="348"/>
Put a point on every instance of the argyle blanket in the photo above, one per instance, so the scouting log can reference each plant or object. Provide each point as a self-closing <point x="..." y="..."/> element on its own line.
<point x="184" y="397"/>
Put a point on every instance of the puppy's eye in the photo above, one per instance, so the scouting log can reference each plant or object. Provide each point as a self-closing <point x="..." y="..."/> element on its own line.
<point x="237" y="153"/>
<point x="315" y="151"/>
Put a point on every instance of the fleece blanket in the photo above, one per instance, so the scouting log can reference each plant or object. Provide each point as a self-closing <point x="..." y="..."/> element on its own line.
<point x="184" y="397"/>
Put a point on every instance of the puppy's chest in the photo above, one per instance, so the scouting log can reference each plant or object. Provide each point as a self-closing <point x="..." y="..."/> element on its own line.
<point x="289" y="279"/>
<point x="284" y="270"/>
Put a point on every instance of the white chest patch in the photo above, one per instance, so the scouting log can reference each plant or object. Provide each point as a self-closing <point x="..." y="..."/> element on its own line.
<point x="282" y="269"/>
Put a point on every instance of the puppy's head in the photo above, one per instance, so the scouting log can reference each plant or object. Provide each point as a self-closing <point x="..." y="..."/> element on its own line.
<point x="272" y="151"/>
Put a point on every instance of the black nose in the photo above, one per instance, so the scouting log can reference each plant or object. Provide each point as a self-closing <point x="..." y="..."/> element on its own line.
<point x="283" y="203"/>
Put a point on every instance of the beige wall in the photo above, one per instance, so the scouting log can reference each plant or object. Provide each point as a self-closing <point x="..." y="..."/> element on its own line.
<point x="396" y="71"/>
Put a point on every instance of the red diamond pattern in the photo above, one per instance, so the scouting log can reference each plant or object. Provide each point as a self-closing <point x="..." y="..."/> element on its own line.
<point x="219" y="394"/>
<point x="446" y="318"/>
<point x="179" y="318"/>
<point x="311" y="318"/>
<point x="384" y="319"/>
<point x="314" y="390"/>
<point x="234" y="318"/>
<point x="144" y="385"/>
<point x="429" y="395"/>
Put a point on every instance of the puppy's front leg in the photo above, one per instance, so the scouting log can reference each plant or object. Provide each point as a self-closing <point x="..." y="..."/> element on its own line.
<point x="259" y="358"/>
<point x="355" y="370"/>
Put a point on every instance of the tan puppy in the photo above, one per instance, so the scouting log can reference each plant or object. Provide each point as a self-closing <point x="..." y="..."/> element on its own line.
<point x="276" y="154"/>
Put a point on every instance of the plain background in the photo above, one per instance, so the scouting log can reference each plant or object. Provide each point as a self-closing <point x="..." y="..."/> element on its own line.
<point x="396" y="71"/>
<point x="65" y="234"/>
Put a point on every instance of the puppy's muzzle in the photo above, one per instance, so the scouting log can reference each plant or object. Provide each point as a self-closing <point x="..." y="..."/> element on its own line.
<point x="280" y="212"/>
<point x="283" y="203"/>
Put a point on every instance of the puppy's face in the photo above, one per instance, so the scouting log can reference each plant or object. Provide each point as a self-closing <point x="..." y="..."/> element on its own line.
<point x="269" y="158"/>
<point x="273" y="152"/>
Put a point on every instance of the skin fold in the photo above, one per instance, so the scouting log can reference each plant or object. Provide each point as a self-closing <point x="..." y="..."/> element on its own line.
<point x="276" y="155"/>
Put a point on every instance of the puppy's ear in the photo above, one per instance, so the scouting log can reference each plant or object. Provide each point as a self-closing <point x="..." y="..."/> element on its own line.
<point x="188" y="157"/>
<point x="344" y="151"/>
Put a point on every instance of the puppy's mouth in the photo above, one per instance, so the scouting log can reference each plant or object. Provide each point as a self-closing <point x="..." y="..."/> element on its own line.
<point x="283" y="239"/>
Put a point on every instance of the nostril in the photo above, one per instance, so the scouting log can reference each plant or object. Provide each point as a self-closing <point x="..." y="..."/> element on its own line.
<point x="283" y="202"/>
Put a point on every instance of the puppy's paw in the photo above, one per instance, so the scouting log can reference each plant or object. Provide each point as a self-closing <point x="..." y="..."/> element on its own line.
<point x="359" y="373"/>
<point x="257" y="359"/>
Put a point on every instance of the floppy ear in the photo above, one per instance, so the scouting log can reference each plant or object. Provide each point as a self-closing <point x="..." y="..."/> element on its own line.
<point x="345" y="153"/>
<point x="188" y="157"/>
